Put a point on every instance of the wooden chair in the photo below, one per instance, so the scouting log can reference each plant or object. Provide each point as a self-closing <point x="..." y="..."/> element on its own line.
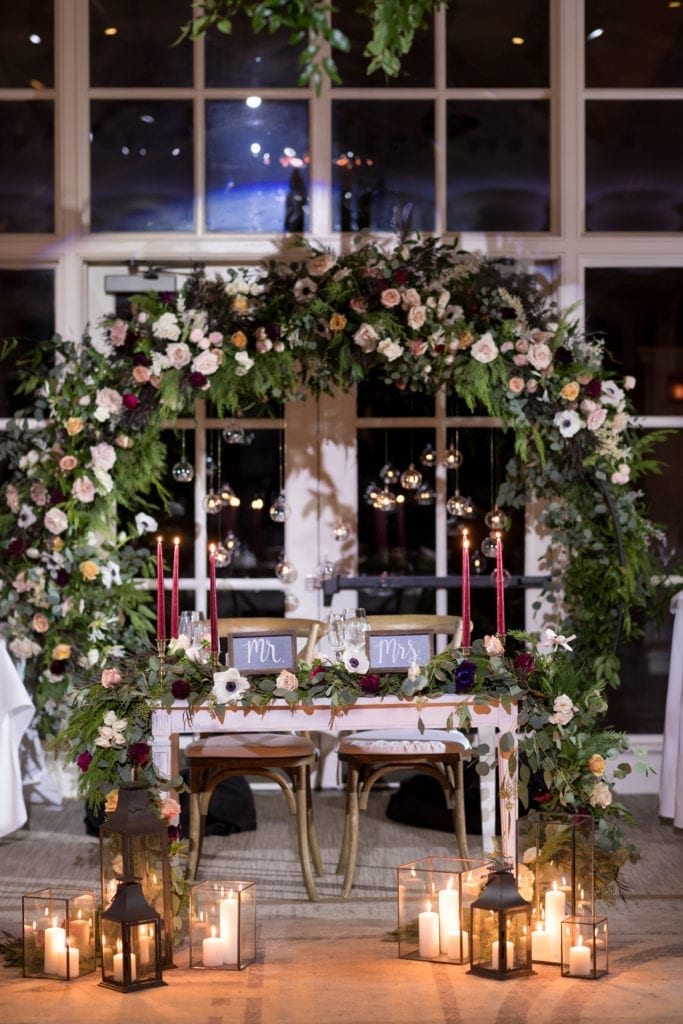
<point x="286" y="759"/>
<point x="369" y="756"/>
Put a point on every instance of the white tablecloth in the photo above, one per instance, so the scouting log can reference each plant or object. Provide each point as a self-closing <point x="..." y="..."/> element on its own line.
<point x="16" y="712"/>
<point x="671" y="781"/>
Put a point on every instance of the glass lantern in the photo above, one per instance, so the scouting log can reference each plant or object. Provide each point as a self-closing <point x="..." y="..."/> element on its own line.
<point x="59" y="933"/>
<point x="555" y="871"/>
<point x="584" y="947"/>
<point x="131" y="941"/>
<point x="134" y="844"/>
<point x="500" y="945"/>
<point x="434" y="899"/>
<point x="223" y="924"/>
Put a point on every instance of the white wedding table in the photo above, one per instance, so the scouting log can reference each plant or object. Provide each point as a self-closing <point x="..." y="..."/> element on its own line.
<point x="490" y="720"/>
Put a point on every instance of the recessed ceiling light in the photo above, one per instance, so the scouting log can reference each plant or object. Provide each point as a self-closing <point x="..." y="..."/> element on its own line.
<point x="595" y="34"/>
<point x="517" y="40"/>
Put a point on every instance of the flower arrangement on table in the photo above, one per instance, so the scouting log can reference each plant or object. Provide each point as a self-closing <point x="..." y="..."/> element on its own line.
<point x="563" y="755"/>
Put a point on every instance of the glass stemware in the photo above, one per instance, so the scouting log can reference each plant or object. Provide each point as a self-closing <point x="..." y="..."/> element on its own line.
<point x="336" y="625"/>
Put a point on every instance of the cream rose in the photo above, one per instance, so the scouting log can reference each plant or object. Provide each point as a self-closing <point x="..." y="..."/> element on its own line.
<point x="287" y="681"/>
<point x="55" y="520"/>
<point x="366" y="337"/>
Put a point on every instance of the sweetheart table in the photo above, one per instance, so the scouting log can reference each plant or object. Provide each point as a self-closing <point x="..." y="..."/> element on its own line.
<point x="491" y="720"/>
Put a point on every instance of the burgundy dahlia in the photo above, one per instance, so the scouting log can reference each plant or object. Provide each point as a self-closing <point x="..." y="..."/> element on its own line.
<point x="180" y="688"/>
<point x="139" y="753"/>
<point x="83" y="760"/>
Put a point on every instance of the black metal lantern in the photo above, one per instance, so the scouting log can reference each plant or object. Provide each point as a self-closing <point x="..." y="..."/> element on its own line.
<point x="500" y="931"/>
<point x="131" y="941"/>
<point x="134" y="844"/>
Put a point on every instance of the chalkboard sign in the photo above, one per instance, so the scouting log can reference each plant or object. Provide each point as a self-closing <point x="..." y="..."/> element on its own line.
<point x="396" y="652"/>
<point x="262" y="652"/>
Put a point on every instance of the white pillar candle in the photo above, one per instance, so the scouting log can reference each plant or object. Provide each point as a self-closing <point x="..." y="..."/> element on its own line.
<point x="428" y="933"/>
<point x="74" y="962"/>
<point x="509" y="955"/>
<point x="212" y="950"/>
<point x="229" y="927"/>
<point x="580" y="960"/>
<point x="145" y="942"/>
<point x="540" y="944"/>
<point x="449" y="914"/>
<point x="118" y="967"/>
<point x="554" y="912"/>
<point x="79" y="932"/>
<point x="453" y="945"/>
<point x="55" y="946"/>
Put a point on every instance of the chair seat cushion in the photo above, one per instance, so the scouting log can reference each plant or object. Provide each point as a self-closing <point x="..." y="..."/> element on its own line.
<point x="257" y="745"/>
<point x="405" y="742"/>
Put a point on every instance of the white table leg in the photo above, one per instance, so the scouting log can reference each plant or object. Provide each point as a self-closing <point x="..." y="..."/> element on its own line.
<point x="487" y="790"/>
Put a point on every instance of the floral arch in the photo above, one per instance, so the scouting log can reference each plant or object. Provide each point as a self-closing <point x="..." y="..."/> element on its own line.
<point x="423" y="315"/>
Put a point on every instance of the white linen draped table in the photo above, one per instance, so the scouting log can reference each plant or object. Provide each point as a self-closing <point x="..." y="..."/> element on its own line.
<point x="16" y="713"/>
<point x="671" y="779"/>
<point x="492" y="720"/>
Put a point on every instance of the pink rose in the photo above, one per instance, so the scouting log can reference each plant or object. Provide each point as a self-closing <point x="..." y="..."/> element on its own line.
<point x="84" y="489"/>
<point x="103" y="456"/>
<point x="540" y="356"/>
<point x="416" y="317"/>
<point x="522" y="345"/>
<point x="169" y="807"/>
<point x="411" y="298"/>
<point x="207" y="362"/>
<point x="40" y="623"/>
<point x="596" y="419"/>
<point x="38" y="493"/>
<point x="141" y="374"/>
<point x="622" y="475"/>
<point x="67" y="463"/>
<point x="111" y="678"/>
<point x="520" y="360"/>
<point x="118" y="332"/>
<point x="216" y="338"/>
<point x="287" y="681"/>
<point x="418" y="346"/>
<point x="390" y="297"/>
<point x="56" y="521"/>
<point x="366" y="337"/>
<point x="516" y="385"/>
<point x="358" y="304"/>
<point x="484" y="349"/>
<point x="493" y="646"/>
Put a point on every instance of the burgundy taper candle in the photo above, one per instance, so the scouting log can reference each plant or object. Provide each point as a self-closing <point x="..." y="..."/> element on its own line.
<point x="161" y="597"/>
<point x="500" y="583"/>
<point x="466" y="613"/>
<point x="174" y="588"/>
<point x="213" y="599"/>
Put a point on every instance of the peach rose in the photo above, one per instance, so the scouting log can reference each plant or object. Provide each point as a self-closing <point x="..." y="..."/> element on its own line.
<point x="516" y="385"/>
<point x="61" y="652"/>
<point x="337" y="322"/>
<point x="89" y="570"/>
<point x="40" y="623"/>
<point x="239" y="339"/>
<point x="597" y="765"/>
<point x="570" y="391"/>
<point x="111" y="678"/>
<point x="239" y="304"/>
<point x="390" y="297"/>
<point x="141" y="374"/>
<point x="67" y="463"/>
<point x="74" y="425"/>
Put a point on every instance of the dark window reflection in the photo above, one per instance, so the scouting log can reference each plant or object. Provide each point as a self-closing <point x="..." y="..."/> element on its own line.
<point x="375" y="398"/>
<point x="27" y="167"/>
<point x="27" y="45"/>
<point x="141" y="160"/>
<point x="633" y="44"/>
<point x="131" y="43"/>
<point x="639" y="311"/>
<point x="27" y="313"/>
<point x="495" y="44"/>
<point x="245" y="58"/>
<point x="417" y="66"/>
<point x="383" y="165"/>
<point x="498" y="166"/>
<point x="634" y="154"/>
<point x="256" y="165"/>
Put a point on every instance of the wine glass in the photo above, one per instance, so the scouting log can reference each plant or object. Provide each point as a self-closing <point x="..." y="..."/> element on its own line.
<point x="336" y="633"/>
<point x="354" y="629"/>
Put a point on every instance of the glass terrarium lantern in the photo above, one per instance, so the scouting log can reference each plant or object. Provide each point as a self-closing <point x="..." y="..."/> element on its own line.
<point x="584" y="947"/>
<point x="500" y="945"/>
<point x="223" y="924"/>
<point x="59" y="933"/>
<point x="556" y="872"/>
<point x="131" y="941"/>
<point x="134" y="844"/>
<point x="434" y="899"/>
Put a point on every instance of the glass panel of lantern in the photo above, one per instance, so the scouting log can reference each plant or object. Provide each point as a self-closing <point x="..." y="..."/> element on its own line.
<point x="134" y="844"/>
<point x="59" y="933"/>
<point x="584" y="947"/>
<point x="223" y="924"/>
<point x="434" y="899"/>
<point x="555" y="872"/>
<point x="131" y="941"/>
<point x="500" y="932"/>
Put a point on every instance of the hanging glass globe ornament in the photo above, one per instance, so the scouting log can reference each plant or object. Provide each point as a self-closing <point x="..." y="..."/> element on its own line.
<point x="210" y="465"/>
<point x="371" y="492"/>
<point x="428" y="456"/>
<point x="425" y="496"/>
<point x="226" y="494"/>
<point x="231" y="542"/>
<point x="183" y="472"/>
<point x="469" y="509"/>
<point x="341" y="530"/>
<point x="388" y="474"/>
<point x="385" y="501"/>
<point x="222" y="556"/>
<point x="212" y="503"/>
<point x="285" y="571"/>
<point x="451" y="458"/>
<point x="488" y="546"/>
<point x="411" y="478"/>
<point x="456" y="504"/>
<point x="506" y="577"/>
<point x="326" y="569"/>
<point x="280" y="510"/>
<point x="234" y="434"/>
<point x="496" y="519"/>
